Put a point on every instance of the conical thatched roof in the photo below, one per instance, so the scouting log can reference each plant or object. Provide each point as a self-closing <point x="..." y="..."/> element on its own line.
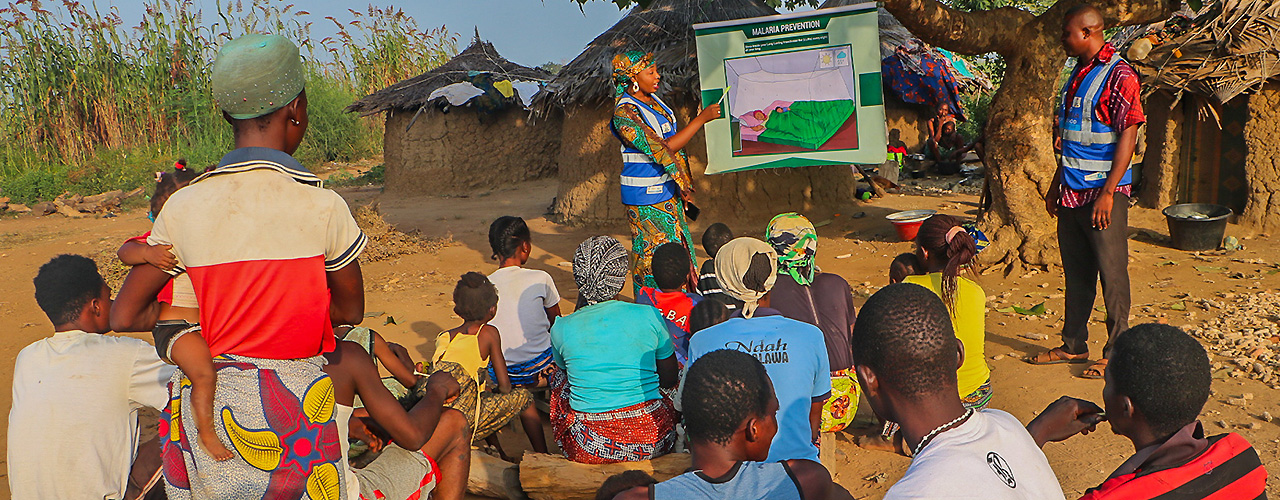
<point x="1233" y="47"/>
<point x="412" y="94"/>
<point x="665" y="28"/>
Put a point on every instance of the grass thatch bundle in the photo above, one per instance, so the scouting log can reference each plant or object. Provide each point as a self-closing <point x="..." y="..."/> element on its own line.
<point x="385" y="242"/>
<point x="1232" y="48"/>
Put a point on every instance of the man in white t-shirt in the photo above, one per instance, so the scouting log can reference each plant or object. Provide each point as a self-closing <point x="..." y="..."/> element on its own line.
<point x="906" y="354"/>
<point x="73" y="427"/>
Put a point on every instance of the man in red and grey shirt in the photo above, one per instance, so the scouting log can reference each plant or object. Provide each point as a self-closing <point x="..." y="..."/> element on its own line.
<point x="1096" y="132"/>
<point x="1156" y="387"/>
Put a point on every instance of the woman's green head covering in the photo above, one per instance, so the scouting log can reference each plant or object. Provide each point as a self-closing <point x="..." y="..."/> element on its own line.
<point x="625" y="67"/>
<point x="257" y="74"/>
<point x="793" y="237"/>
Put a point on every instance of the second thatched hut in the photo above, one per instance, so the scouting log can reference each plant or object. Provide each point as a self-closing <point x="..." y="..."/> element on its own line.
<point x="464" y="125"/>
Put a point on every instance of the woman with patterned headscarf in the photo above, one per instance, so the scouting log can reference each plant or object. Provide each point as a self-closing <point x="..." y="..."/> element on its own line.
<point x="821" y="299"/>
<point x="656" y="182"/>
<point x="611" y="400"/>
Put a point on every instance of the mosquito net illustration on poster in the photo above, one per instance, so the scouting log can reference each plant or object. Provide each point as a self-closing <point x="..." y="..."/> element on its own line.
<point x="794" y="89"/>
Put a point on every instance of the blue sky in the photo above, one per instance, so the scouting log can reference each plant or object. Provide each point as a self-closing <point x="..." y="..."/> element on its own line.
<point x="529" y="32"/>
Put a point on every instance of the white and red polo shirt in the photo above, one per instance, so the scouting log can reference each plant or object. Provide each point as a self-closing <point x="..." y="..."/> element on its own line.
<point x="257" y="235"/>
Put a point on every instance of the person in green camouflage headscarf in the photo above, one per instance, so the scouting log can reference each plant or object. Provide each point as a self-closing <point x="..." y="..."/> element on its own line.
<point x="794" y="239"/>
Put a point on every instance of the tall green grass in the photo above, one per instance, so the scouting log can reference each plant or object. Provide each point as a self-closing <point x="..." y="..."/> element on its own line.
<point x="91" y="105"/>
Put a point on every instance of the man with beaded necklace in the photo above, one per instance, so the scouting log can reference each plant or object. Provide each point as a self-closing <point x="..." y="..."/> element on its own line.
<point x="906" y="355"/>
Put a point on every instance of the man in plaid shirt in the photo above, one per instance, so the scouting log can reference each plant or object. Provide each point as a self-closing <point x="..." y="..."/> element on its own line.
<point x="1096" y="132"/>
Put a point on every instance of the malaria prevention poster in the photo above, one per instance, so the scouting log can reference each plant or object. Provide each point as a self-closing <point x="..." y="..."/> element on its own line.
<point x="797" y="90"/>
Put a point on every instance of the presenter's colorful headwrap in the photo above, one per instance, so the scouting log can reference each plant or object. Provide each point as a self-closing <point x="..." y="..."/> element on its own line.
<point x="792" y="236"/>
<point x="257" y="74"/>
<point x="625" y="68"/>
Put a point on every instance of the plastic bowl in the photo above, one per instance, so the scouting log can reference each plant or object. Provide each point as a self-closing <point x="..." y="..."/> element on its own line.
<point x="908" y="222"/>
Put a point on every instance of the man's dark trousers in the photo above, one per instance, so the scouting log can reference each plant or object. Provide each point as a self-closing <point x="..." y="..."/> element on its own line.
<point x="1088" y="254"/>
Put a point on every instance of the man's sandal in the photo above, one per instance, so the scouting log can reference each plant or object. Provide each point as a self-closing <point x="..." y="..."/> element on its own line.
<point x="1056" y="356"/>
<point x="1096" y="370"/>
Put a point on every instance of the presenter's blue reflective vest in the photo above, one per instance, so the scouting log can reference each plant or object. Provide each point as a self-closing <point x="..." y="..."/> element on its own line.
<point x="644" y="181"/>
<point x="1088" y="145"/>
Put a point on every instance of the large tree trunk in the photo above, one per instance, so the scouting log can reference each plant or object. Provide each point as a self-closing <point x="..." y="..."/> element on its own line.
<point x="1020" y="123"/>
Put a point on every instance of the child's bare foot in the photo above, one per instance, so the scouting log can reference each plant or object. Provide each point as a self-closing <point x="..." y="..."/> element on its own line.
<point x="214" y="446"/>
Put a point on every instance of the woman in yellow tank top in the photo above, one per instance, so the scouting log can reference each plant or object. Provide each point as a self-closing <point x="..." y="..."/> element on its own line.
<point x="467" y="351"/>
<point x="943" y="251"/>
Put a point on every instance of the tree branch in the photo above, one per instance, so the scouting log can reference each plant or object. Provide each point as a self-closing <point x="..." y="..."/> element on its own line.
<point x="971" y="33"/>
<point x="1118" y="12"/>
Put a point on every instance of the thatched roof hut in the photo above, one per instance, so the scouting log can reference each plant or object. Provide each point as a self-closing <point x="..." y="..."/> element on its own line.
<point x="1229" y="49"/>
<point x="589" y="160"/>
<point x="431" y="146"/>
<point x="1213" y="109"/>
<point x="665" y="28"/>
<point x="413" y="94"/>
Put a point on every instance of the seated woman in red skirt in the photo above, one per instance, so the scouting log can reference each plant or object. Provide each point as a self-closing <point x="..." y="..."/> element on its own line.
<point x="611" y="400"/>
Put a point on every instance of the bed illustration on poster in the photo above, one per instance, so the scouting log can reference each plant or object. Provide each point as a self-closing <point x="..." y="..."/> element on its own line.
<point x="797" y="90"/>
<point x="793" y="101"/>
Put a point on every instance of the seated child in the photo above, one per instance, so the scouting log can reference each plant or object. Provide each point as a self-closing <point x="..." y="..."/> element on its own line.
<point x="623" y="481"/>
<point x="670" y="270"/>
<point x="531" y="305"/>
<point x="706" y="314"/>
<point x="429" y="450"/>
<point x="905" y="264"/>
<point x="177" y="330"/>
<point x="713" y="238"/>
<point x="73" y="425"/>
<point x="467" y="349"/>
<point x="730" y="413"/>
<point x="392" y="356"/>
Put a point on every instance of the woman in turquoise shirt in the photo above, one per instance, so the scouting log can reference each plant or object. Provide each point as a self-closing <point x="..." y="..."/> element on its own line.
<point x="611" y="401"/>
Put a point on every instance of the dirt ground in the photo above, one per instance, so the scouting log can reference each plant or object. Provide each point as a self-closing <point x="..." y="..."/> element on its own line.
<point x="412" y="295"/>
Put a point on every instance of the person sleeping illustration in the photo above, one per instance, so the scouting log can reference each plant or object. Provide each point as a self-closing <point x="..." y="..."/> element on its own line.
<point x="755" y="122"/>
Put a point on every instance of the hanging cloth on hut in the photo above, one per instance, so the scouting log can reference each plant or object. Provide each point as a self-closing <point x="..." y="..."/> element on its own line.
<point x="527" y="90"/>
<point x="457" y="93"/>
<point x="920" y="76"/>
<point x="504" y="87"/>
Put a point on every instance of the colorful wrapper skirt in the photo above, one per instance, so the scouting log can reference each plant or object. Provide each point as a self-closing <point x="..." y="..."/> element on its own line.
<point x="652" y="226"/>
<point x="486" y="411"/>
<point x="529" y="373"/>
<point x="277" y="418"/>
<point x="838" y="411"/>
<point x="638" y="432"/>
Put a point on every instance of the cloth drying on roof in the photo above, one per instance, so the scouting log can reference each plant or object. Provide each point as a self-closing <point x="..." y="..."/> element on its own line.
<point x="457" y="93"/>
<point x="922" y="77"/>
<point x="504" y="87"/>
<point x="526" y="90"/>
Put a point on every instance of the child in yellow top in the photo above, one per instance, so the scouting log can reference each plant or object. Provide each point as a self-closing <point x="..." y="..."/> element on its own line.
<point x="470" y="348"/>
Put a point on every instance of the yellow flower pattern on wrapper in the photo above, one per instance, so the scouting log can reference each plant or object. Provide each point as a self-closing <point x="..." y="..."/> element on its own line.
<point x="323" y="484"/>
<point x="317" y="403"/>
<point x="260" y="449"/>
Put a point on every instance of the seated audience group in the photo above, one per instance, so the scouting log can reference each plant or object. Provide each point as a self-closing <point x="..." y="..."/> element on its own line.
<point x="746" y="386"/>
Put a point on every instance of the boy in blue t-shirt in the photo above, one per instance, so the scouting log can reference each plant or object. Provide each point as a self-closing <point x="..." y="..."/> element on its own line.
<point x="793" y="352"/>
<point x="730" y="413"/>
<point x="671" y="267"/>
